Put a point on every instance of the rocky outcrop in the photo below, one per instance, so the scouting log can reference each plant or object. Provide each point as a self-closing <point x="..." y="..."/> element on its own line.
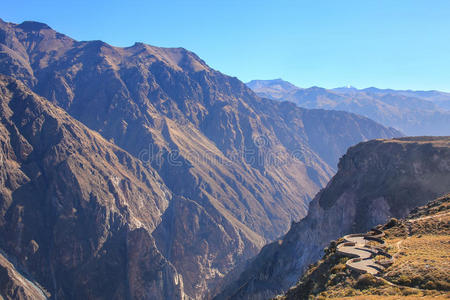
<point x="239" y="166"/>
<point x="376" y="180"/>
<point x="15" y="285"/>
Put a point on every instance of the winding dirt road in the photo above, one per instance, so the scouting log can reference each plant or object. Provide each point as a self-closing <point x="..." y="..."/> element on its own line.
<point x="362" y="255"/>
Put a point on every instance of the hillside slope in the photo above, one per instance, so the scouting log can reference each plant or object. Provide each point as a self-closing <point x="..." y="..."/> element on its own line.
<point x="412" y="112"/>
<point x="419" y="247"/>
<point x="376" y="180"/>
<point x="77" y="212"/>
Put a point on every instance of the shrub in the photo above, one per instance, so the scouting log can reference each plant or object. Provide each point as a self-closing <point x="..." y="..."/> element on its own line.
<point x="338" y="268"/>
<point x="418" y="280"/>
<point x="392" y="222"/>
<point x="404" y="280"/>
<point x="430" y="285"/>
<point x="343" y="260"/>
<point x="443" y="285"/>
<point x="366" y="280"/>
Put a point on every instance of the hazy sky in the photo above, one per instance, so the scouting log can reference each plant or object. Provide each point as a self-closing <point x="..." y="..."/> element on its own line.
<point x="382" y="43"/>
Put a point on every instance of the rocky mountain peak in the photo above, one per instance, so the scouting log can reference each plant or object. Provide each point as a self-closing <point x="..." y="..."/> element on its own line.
<point x="33" y="26"/>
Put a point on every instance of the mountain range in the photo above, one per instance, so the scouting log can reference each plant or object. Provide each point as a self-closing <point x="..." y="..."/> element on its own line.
<point x="141" y="172"/>
<point x="414" y="113"/>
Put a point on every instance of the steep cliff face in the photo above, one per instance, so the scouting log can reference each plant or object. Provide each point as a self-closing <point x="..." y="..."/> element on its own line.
<point x="77" y="212"/>
<point x="15" y="285"/>
<point x="243" y="166"/>
<point x="376" y="180"/>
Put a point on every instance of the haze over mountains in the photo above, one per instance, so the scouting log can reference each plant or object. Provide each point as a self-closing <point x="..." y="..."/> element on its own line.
<point x="412" y="112"/>
<point x="142" y="173"/>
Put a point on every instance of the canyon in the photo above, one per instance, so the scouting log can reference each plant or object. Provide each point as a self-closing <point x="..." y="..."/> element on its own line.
<point x="140" y="172"/>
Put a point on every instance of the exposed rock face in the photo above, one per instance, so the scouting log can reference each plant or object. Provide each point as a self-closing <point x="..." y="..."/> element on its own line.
<point x="272" y="89"/>
<point x="76" y="211"/>
<point x="412" y="112"/>
<point x="240" y="167"/>
<point x="15" y="285"/>
<point x="376" y="180"/>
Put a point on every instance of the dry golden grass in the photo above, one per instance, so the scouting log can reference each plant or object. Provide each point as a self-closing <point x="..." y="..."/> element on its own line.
<point x="377" y="290"/>
<point x="421" y="252"/>
<point x="422" y="261"/>
<point x="436" y="141"/>
<point x="375" y="297"/>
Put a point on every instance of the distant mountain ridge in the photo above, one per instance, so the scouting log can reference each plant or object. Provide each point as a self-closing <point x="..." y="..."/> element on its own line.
<point x="276" y="88"/>
<point x="412" y="112"/>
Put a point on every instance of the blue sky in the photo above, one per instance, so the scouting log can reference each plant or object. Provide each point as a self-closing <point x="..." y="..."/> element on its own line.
<point x="402" y="44"/>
